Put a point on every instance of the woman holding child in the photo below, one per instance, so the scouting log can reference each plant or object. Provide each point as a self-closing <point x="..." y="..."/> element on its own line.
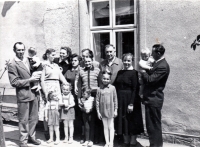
<point x="129" y="120"/>
<point x="50" y="82"/>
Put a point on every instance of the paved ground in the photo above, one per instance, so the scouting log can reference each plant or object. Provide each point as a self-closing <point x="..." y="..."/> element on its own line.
<point x="12" y="135"/>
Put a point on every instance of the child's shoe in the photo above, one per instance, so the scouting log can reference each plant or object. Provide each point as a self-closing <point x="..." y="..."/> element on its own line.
<point x="106" y="145"/>
<point x="49" y="141"/>
<point x="85" y="143"/>
<point x="65" y="140"/>
<point x="71" y="140"/>
<point x="90" y="144"/>
<point x="57" y="142"/>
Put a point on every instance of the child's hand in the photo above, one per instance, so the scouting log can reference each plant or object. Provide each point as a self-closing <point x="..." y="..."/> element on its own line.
<point x="115" y="113"/>
<point x="46" y="118"/>
<point x="67" y="107"/>
<point x="99" y="115"/>
<point x="130" y="108"/>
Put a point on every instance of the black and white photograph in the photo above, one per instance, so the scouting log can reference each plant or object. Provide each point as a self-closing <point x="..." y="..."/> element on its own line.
<point x="100" y="73"/>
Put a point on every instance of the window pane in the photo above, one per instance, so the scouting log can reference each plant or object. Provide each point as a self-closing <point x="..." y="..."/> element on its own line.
<point x="124" y="11"/>
<point x="100" y="13"/>
<point x="99" y="42"/>
<point x="124" y="43"/>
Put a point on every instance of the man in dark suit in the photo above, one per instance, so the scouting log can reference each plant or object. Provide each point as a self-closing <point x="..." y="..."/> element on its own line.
<point x="20" y="77"/>
<point x="153" y="95"/>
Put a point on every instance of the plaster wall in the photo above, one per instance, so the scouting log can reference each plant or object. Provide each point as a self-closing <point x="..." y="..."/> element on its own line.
<point x="176" y="25"/>
<point x="39" y="24"/>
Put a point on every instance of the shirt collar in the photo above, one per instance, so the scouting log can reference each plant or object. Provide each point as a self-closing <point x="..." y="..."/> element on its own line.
<point x="108" y="86"/>
<point x="19" y="60"/>
<point x="63" y="61"/>
<point x="160" y="59"/>
<point x="131" y="68"/>
<point x="91" y="68"/>
<point x="114" y="61"/>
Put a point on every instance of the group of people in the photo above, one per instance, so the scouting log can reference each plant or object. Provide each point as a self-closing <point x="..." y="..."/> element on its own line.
<point x="96" y="97"/>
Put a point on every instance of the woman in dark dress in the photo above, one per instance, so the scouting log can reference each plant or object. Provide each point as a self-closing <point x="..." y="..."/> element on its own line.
<point x="129" y="120"/>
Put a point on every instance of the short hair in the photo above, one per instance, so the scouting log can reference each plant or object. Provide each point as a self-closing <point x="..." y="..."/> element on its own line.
<point x="75" y="56"/>
<point x="48" y="51"/>
<point x="107" y="72"/>
<point x="126" y="55"/>
<point x="14" y="47"/>
<point x="50" y="96"/>
<point x="86" y="90"/>
<point x="159" y="49"/>
<point x="109" y="45"/>
<point x="146" y="51"/>
<point x="64" y="85"/>
<point x="68" y="50"/>
<point x="90" y="52"/>
<point x="32" y="51"/>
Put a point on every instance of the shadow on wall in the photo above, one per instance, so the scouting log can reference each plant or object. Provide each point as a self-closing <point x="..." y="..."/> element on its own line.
<point x="6" y="6"/>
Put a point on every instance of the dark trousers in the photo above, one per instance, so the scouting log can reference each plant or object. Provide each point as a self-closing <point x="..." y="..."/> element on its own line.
<point x="89" y="120"/>
<point x="153" y="125"/>
<point x="28" y="118"/>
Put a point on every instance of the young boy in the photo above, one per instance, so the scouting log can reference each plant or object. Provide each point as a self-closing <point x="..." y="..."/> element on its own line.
<point x="86" y="104"/>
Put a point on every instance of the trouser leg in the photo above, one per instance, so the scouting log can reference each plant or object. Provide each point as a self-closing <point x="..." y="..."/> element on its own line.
<point x="33" y="117"/>
<point x="23" y="115"/>
<point x="153" y="125"/>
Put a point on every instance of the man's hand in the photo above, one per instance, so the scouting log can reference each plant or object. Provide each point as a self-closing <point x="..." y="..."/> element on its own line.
<point x="34" y="78"/>
<point x="99" y="115"/>
<point x="115" y="113"/>
<point x="130" y="108"/>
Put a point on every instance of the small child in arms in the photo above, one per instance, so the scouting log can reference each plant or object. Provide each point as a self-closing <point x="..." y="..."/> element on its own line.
<point x="145" y="64"/>
<point x="36" y="66"/>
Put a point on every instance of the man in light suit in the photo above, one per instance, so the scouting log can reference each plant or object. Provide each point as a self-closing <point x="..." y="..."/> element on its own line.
<point x="155" y="81"/>
<point x="20" y="77"/>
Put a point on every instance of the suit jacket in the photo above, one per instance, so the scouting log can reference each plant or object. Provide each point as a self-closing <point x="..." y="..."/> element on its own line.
<point x="154" y="83"/>
<point x="18" y="76"/>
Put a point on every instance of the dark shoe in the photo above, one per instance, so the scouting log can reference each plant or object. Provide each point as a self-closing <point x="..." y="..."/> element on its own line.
<point x="34" y="141"/>
<point x="23" y="145"/>
<point x="46" y="135"/>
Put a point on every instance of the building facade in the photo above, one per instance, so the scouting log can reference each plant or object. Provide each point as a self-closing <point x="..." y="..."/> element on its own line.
<point x="128" y="24"/>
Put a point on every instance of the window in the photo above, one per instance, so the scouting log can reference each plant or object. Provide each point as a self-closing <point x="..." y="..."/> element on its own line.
<point x="113" y="22"/>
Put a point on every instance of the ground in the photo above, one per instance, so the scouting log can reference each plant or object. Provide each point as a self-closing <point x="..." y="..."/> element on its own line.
<point x="12" y="135"/>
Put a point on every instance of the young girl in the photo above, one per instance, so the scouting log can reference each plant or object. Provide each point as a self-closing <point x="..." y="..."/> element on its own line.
<point x="106" y="105"/>
<point x="67" y="112"/>
<point x="52" y="116"/>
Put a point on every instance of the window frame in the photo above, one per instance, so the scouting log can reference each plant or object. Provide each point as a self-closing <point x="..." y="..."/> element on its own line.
<point x="91" y="15"/>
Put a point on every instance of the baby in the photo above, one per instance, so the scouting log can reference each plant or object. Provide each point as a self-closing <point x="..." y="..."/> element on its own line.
<point x="145" y="63"/>
<point x="36" y="66"/>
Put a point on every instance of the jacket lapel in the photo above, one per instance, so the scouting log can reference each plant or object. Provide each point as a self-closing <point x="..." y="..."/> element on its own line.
<point x="156" y="64"/>
<point x="22" y="66"/>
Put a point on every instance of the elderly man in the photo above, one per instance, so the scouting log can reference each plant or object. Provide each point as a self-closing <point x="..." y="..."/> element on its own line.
<point x="154" y="84"/>
<point x="63" y="60"/>
<point x="20" y="77"/>
<point x="112" y="63"/>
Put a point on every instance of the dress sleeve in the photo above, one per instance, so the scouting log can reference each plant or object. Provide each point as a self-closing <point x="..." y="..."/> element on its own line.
<point x="97" y="99"/>
<point x="134" y="85"/>
<point x="115" y="100"/>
